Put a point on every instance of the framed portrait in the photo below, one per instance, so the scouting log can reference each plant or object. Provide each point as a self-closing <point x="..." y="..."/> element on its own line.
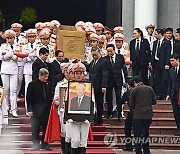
<point x="79" y="105"/>
<point x="62" y="96"/>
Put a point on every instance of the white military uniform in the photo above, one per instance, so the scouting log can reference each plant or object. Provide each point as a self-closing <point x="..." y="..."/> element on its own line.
<point x="3" y="109"/>
<point x="19" y="41"/>
<point x="9" y="74"/>
<point x="31" y="50"/>
<point x="88" y="55"/>
<point x="150" y="39"/>
<point x="63" y="83"/>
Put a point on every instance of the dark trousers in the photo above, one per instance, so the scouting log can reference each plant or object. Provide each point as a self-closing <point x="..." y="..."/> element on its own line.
<point x="176" y="111"/>
<point x="109" y="95"/>
<point x="161" y="78"/>
<point x="36" y="123"/>
<point x="128" y="128"/>
<point x="142" y="71"/>
<point x="141" y="133"/>
<point x="99" y="106"/>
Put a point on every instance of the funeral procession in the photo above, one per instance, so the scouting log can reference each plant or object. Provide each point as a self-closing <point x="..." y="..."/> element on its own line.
<point x="90" y="77"/>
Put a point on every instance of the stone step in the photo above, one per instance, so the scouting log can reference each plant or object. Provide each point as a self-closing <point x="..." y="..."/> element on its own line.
<point x="155" y="121"/>
<point x="170" y="130"/>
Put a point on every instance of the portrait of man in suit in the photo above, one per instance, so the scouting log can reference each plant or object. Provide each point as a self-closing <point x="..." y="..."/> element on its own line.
<point x="80" y="103"/>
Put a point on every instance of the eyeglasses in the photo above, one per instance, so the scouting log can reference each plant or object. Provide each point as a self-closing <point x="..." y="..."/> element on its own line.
<point x="45" y="38"/>
<point x="9" y="38"/>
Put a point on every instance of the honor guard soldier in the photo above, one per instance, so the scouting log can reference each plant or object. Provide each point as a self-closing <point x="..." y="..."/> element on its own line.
<point x="79" y="130"/>
<point x="45" y="42"/>
<point x="93" y="43"/>
<point x="38" y="26"/>
<point x="109" y="35"/>
<point x="3" y="110"/>
<point x="9" y="70"/>
<point x="119" y="46"/>
<point x="79" y="26"/>
<point x="19" y="41"/>
<point x="31" y="48"/>
<point x="99" y="28"/>
<point x="53" y="38"/>
<point x="150" y="30"/>
<point x="63" y="84"/>
<point x="101" y="45"/>
<point x="89" y="31"/>
<point x="118" y="29"/>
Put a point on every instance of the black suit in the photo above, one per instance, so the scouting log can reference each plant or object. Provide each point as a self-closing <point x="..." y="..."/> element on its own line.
<point x="173" y="90"/>
<point x="140" y="60"/>
<point x="54" y="70"/>
<point x="160" y="74"/>
<point x="84" y="106"/>
<point x="177" y="47"/>
<point x="115" y="80"/>
<point x="56" y="79"/>
<point x="39" y="98"/>
<point x="98" y="74"/>
<point x="37" y="65"/>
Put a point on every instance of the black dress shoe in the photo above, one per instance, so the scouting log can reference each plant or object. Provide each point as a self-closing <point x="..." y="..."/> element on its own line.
<point x="46" y="147"/>
<point x="120" y="119"/>
<point x="127" y="149"/>
<point x="109" y="116"/>
<point x="178" y="133"/>
<point x="35" y="148"/>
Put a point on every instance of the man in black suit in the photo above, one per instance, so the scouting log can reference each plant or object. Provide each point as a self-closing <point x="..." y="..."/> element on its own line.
<point x="39" y="98"/>
<point x="55" y="66"/>
<point x="40" y="62"/>
<point x="81" y="102"/>
<point x="116" y="66"/>
<point x="98" y="74"/>
<point x="140" y="55"/>
<point x="171" y="38"/>
<point x="160" y="63"/>
<point x="174" y="87"/>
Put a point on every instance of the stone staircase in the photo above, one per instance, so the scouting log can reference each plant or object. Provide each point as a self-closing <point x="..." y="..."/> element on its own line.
<point x="17" y="137"/>
<point x="162" y="130"/>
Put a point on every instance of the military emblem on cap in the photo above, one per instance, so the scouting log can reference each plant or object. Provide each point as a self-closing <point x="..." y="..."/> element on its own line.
<point x="64" y="66"/>
<point x="79" y="67"/>
<point x="39" y="25"/>
<point x="98" y="25"/>
<point x="118" y="29"/>
<point x="55" y="23"/>
<point x="70" y="68"/>
<point x="94" y="36"/>
<point x="31" y="32"/>
<point x="16" y="26"/>
<point x="119" y="36"/>
<point x="79" y="26"/>
<point x="9" y="33"/>
<point x="87" y="24"/>
<point x="102" y="38"/>
<point x="90" y="30"/>
<point x="48" y="25"/>
<point x="150" y="25"/>
<point x="44" y="33"/>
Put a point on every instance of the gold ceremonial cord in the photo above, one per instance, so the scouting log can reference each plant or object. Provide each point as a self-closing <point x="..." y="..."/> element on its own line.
<point x="2" y="95"/>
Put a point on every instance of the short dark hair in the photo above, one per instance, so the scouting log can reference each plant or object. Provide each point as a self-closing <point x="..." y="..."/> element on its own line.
<point x="175" y="56"/>
<point x="159" y="31"/>
<point x="131" y="83"/>
<point x="168" y="30"/>
<point x="137" y="79"/>
<point x="95" y="49"/>
<point x="178" y="30"/>
<point x="110" y="45"/>
<point x="58" y="51"/>
<point x="43" y="51"/>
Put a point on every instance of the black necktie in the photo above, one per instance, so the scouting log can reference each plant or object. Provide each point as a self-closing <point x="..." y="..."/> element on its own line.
<point x="112" y="61"/>
<point x="31" y="46"/>
<point x="12" y="47"/>
<point x="119" y="51"/>
<point x="158" y="47"/>
<point x="137" y="48"/>
<point x="17" y="39"/>
<point x="150" y="38"/>
<point x="94" y="63"/>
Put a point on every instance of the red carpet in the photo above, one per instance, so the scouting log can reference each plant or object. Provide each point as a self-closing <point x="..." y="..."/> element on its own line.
<point x="98" y="146"/>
